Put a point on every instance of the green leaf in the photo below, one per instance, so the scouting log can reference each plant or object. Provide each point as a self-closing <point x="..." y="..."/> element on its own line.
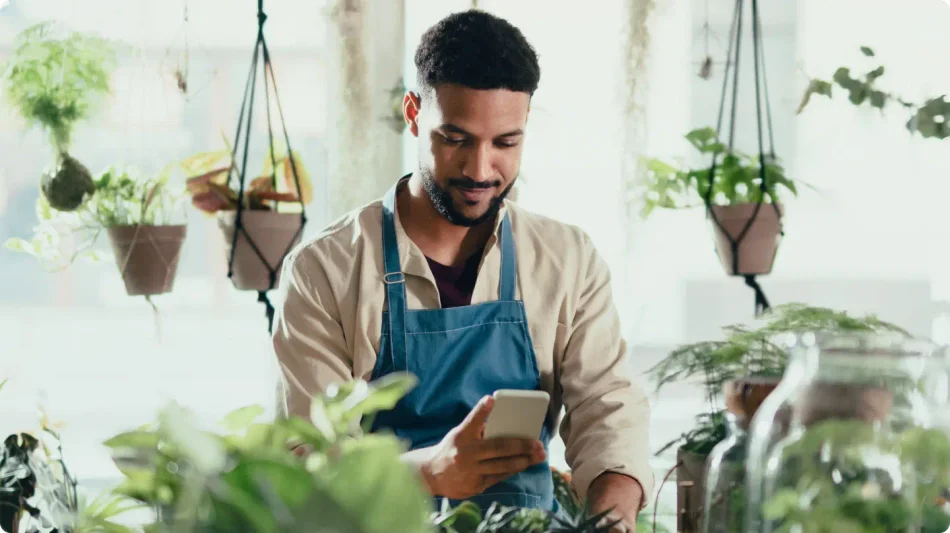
<point x="370" y="480"/>
<point x="240" y="419"/>
<point x="16" y="244"/>
<point x="134" y="440"/>
<point x="705" y="140"/>
<point x="858" y="95"/>
<point x="878" y="99"/>
<point x="466" y="516"/>
<point x="842" y="77"/>
<point x="867" y="51"/>
<point x="875" y="74"/>
<point x="2" y="383"/>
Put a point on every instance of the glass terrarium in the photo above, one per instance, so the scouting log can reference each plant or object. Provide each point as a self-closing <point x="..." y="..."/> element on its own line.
<point x="847" y="442"/>
<point x="724" y="485"/>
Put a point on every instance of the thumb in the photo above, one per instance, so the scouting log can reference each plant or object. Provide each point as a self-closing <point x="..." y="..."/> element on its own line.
<point x="474" y="423"/>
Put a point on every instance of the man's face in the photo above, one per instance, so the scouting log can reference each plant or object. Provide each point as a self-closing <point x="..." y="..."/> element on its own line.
<point x="470" y="144"/>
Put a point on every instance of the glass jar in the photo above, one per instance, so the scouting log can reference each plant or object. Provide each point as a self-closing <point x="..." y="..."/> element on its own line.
<point x="846" y="442"/>
<point x="724" y="497"/>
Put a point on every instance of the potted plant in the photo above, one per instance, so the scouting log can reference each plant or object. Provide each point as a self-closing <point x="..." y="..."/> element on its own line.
<point x="270" y="210"/>
<point x="38" y="494"/>
<point x="54" y="80"/>
<point x="746" y="364"/>
<point x="739" y="211"/>
<point x="137" y="214"/>
<point x="930" y="119"/>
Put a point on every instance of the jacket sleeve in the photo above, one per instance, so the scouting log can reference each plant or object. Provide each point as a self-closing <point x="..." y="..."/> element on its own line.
<point x="607" y="416"/>
<point x="307" y="334"/>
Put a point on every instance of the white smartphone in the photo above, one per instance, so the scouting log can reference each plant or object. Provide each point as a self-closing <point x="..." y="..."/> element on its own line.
<point x="517" y="414"/>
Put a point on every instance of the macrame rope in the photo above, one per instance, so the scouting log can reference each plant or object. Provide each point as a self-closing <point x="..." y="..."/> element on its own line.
<point x="761" y="86"/>
<point x="247" y="106"/>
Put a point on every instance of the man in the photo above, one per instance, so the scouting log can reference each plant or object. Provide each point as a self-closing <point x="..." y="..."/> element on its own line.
<point x="445" y="279"/>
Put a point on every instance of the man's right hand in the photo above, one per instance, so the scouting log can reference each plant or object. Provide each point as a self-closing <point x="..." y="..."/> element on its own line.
<point x="464" y="464"/>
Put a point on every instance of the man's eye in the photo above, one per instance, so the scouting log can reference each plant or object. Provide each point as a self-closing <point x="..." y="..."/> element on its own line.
<point x="507" y="144"/>
<point x="455" y="141"/>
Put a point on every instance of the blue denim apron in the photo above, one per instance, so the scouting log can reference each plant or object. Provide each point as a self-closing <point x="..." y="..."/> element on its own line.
<point x="459" y="355"/>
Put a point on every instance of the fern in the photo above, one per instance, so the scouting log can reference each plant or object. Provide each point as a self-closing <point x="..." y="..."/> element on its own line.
<point x="748" y="352"/>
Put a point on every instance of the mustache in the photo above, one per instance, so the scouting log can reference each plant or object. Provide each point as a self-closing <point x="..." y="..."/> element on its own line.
<point x="468" y="183"/>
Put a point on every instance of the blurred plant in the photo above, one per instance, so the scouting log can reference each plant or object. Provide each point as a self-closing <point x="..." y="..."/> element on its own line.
<point x="55" y="79"/>
<point x="208" y="180"/>
<point x="747" y="352"/>
<point x="246" y="478"/>
<point x="835" y="487"/>
<point x="931" y="119"/>
<point x="121" y="197"/>
<point x="38" y="494"/>
<point x="735" y="180"/>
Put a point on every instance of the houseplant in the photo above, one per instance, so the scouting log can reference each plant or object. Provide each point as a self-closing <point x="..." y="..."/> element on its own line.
<point x="244" y="477"/>
<point x="54" y="80"/>
<point x="137" y="213"/>
<point x="860" y="501"/>
<point x="930" y="119"/>
<point x="38" y="494"/>
<point x="733" y="187"/>
<point x="747" y="359"/>
<point x="863" y="464"/>
<point x="271" y="208"/>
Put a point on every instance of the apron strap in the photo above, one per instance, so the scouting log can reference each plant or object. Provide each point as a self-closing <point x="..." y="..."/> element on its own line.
<point x="395" y="282"/>
<point x="506" y="286"/>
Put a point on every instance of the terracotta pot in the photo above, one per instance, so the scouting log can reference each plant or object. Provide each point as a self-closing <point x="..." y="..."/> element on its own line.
<point x="147" y="257"/>
<point x="744" y="396"/>
<point x="274" y="234"/>
<point x="757" y="247"/>
<point x="690" y="474"/>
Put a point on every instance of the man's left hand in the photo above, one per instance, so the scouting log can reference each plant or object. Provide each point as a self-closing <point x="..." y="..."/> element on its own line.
<point x="620" y="494"/>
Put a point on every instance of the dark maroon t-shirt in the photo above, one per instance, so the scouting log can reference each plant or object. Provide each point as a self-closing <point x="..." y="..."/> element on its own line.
<point x="456" y="283"/>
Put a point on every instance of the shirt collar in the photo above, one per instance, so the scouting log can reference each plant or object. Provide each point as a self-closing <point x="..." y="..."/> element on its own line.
<point x="411" y="258"/>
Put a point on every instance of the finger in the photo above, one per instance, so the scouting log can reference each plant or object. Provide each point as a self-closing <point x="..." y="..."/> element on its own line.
<point x="507" y="447"/>
<point x="506" y="466"/>
<point x="474" y="423"/>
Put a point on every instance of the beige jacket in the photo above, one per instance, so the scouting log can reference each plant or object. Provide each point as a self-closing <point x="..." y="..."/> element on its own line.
<point x="329" y="318"/>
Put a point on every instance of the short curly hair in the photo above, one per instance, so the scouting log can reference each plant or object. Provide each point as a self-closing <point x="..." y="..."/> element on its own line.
<point x="477" y="50"/>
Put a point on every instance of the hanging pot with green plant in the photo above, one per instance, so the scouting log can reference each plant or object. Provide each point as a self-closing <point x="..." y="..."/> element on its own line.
<point x="54" y="79"/>
<point x="741" y="209"/>
<point x="740" y="193"/>
<point x="137" y="213"/>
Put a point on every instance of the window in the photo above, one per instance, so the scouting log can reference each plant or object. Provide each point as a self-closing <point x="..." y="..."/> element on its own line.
<point x="96" y="359"/>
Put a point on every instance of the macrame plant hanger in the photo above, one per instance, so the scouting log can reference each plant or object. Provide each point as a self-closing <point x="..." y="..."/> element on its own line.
<point x="732" y="60"/>
<point x="247" y="105"/>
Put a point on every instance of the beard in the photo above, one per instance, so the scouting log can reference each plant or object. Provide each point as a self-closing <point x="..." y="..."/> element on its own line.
<point x="442" y="200"/>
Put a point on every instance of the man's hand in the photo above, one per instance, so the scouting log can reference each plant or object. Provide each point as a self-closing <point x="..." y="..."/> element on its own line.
<point x="619" y="493"/>
<point x="464" y="464"/>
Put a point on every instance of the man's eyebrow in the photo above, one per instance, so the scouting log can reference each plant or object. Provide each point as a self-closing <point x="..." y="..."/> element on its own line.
<point x="455" y="129"/>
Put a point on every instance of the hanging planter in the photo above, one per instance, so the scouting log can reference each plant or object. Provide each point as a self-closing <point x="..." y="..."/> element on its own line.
<point x="741" y="193"/>
<point x="54" y="79"/>
<point x="271" y="234"/>
<point x="262" y="218"/>
<point x="759" y="230"/>
<point x="147" y="257"/>
<point x="138" y="216"/>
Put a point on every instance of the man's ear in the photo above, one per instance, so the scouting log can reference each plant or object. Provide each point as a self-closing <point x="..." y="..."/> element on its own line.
<point x="411" y="106"/>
